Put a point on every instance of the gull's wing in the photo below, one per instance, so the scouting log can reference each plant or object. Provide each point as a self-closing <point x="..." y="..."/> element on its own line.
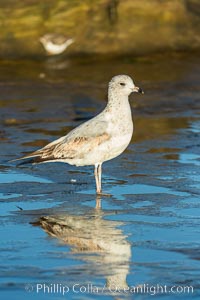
<point x="75" y="144"/>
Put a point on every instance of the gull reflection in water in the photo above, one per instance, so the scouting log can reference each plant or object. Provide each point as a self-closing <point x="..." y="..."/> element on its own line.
<point x="90" y="233"/>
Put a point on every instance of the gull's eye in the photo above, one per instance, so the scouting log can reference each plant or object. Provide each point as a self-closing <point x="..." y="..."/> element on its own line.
<point x="122" y="84"/>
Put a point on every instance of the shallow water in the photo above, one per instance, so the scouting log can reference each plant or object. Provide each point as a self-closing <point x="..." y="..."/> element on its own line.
<point x="56" y="236"/>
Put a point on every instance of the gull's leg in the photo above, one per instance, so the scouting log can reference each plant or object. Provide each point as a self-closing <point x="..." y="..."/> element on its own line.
<point x="96" y="174"/>
<point x="99" y="170"/>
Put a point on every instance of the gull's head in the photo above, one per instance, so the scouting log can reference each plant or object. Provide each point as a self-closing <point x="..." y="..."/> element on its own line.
<point x="124" y="85"/>
<point x="42" y="40"/>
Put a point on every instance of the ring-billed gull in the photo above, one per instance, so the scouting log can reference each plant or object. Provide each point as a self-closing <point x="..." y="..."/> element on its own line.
<point x="100" y="139"/>
<point x="55" y="44"/>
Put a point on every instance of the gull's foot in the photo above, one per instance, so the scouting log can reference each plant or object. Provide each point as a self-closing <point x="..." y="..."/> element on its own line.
<point x="103" y="194"/>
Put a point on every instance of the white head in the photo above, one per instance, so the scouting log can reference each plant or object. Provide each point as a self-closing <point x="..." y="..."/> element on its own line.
<point x="43" y="40"/>
<point x="124" y="85"/>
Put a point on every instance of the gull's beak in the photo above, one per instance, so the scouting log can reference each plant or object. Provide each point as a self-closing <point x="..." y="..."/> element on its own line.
<point x="138" y="90"/>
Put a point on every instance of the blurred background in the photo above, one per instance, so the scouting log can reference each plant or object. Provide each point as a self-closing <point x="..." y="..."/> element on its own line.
<point x="56" y="59"/>
<point x="100" y="26"/>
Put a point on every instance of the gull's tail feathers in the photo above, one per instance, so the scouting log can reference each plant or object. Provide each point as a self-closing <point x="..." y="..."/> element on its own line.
<point x="41" y="155"/>
<point x="28" y="159"/>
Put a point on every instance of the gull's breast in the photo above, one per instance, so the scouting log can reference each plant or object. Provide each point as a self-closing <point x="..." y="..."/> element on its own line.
<point x="110" y="148"/>
<point x="117" y="145"/>
<point x="121" y="134"/>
